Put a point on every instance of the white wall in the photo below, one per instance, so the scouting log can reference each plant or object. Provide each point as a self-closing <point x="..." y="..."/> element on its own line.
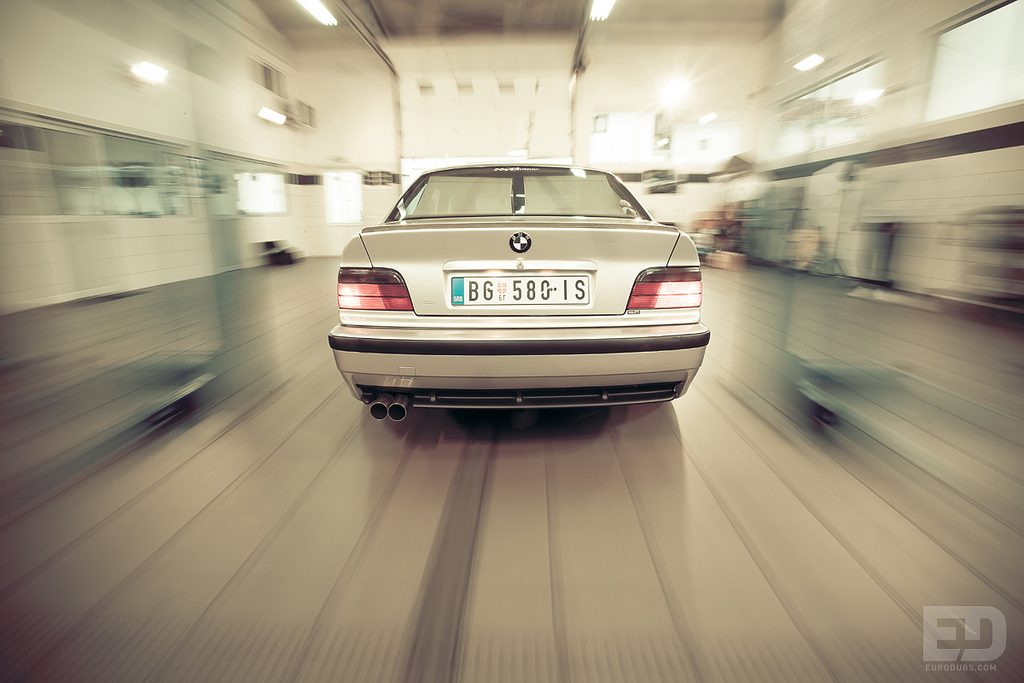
<point x="485" y="123"/>
<point x="355" y="99"/>
<point x="626" y="69"/>
<point x="70" y="60"/>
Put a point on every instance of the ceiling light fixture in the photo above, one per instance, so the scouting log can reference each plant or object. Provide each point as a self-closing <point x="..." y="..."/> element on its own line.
<point x="708" y="118"/>
<point x="268" y="114"/>
<point x="674" y="91"/>
<point x="809" y="62"/>
<point x="319" y="12"/>
<point x="865" y="96"/>
<point x="600" y="10"/>
<point x="149" y="73"/>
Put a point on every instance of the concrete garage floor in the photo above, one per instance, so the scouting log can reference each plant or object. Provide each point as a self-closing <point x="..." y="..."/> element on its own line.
<point x="286" y="536"/>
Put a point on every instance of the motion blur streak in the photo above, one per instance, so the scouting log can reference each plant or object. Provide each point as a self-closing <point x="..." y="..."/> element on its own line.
<point x="187" y="492"/>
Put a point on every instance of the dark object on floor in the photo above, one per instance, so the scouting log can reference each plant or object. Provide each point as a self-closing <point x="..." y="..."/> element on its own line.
<point x="279" y="254"/>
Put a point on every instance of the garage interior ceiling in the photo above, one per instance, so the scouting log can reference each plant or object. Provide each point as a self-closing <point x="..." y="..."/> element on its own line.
<point x="398" y="19"/>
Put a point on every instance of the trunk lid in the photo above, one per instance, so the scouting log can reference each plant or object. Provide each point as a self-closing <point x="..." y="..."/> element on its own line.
<point x="609" y="253"/>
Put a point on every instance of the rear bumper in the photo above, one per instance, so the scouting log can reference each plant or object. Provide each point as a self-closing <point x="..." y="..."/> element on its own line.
<point x="515" y="342"/>
<point x="419" y="362"/>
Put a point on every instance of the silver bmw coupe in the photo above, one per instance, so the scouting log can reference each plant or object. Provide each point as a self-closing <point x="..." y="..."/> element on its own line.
<point x="529" y="286"/>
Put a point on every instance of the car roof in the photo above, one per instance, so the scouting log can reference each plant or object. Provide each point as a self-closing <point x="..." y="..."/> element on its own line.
<point x="524" y="165"/>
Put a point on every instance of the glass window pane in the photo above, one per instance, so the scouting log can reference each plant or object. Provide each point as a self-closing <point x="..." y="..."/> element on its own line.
<point x="132" y="173"/>
<point x="261" y="193"/>
<point x="145" y="179"/>
<point x="464" y="196"/>
<point x="979" y="64"/>
<point x="504" y="190"/>
<point x="568" y="194"/>
<point x="75" y="173"/>
<point x="26" y="180"/>
<point x="343" y="197"/>
<point x="174" y="184"/>
<point x="837" y="113"/>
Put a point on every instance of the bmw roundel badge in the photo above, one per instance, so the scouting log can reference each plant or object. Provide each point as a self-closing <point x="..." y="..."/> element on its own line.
<point x="520" y="242"/>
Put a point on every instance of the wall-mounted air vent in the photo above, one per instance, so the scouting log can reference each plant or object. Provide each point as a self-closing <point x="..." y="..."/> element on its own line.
<point x="301" y="114"/>
<point x="378" y="178"/>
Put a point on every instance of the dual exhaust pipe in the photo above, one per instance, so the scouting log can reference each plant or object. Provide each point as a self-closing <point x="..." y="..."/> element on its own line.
<point x="393" y="406"/>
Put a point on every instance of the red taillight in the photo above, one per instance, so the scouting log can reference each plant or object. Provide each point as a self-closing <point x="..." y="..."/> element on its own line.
<point x="678" y="287"/>
<point x="372" y="289"/>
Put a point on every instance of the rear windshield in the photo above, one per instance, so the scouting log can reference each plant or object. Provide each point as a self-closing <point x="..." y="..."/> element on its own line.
<point x="517" y="191"/>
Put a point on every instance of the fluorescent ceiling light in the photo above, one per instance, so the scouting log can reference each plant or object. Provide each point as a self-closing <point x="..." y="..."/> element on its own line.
<point x="600" y="10"/>
<point x="269" y="114"/>
<point x="150" y="73"/>
<point x="662" y="142"/>
<point x="809" y="62"/>
<point x="673" y="91"/>
<point x="708" y="118"/>
<point x="319" y="12"/>
<point x="865" y="96"/>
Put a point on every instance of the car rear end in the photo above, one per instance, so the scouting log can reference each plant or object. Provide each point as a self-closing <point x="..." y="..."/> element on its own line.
<point x="519" y="311"/>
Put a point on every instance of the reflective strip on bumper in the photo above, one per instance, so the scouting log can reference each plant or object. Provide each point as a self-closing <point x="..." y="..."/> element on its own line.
<point x="519" y="347"/>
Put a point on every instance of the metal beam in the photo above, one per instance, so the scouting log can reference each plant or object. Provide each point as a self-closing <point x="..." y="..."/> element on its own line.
<point x="364" y="32"/>
<point x="377" y="18"/>
<point x="578" y="64"/>
<point x="578" y="67"/>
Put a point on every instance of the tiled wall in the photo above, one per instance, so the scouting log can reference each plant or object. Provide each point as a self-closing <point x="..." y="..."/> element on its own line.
<point x="50" y="260"/>
<point x="937" y="250"/>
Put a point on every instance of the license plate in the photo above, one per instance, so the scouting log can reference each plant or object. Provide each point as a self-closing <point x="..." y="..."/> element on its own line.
<point x="523" y="290"/>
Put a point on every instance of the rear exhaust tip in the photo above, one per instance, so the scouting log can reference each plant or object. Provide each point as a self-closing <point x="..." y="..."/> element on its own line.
<point x="379" y="408"/>
<point x="399" y="408"/>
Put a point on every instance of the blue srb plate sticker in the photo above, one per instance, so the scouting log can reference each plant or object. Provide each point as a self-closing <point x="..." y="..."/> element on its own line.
<point x="458" y="295"/>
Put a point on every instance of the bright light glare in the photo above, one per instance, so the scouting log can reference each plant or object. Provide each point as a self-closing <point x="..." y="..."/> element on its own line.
<point x="521" y="153"/>
<point x="269" y="114"/>
<point x="578" y="172"/>
<point x="319" y="12"/>
<point x="674" y="91"/>
<point x="150" y="73"/>
<point x="809" y="62"/>
<point x="600" y="10"/>
<point x="865" y="96"/>
<point x="708" y="118"/>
